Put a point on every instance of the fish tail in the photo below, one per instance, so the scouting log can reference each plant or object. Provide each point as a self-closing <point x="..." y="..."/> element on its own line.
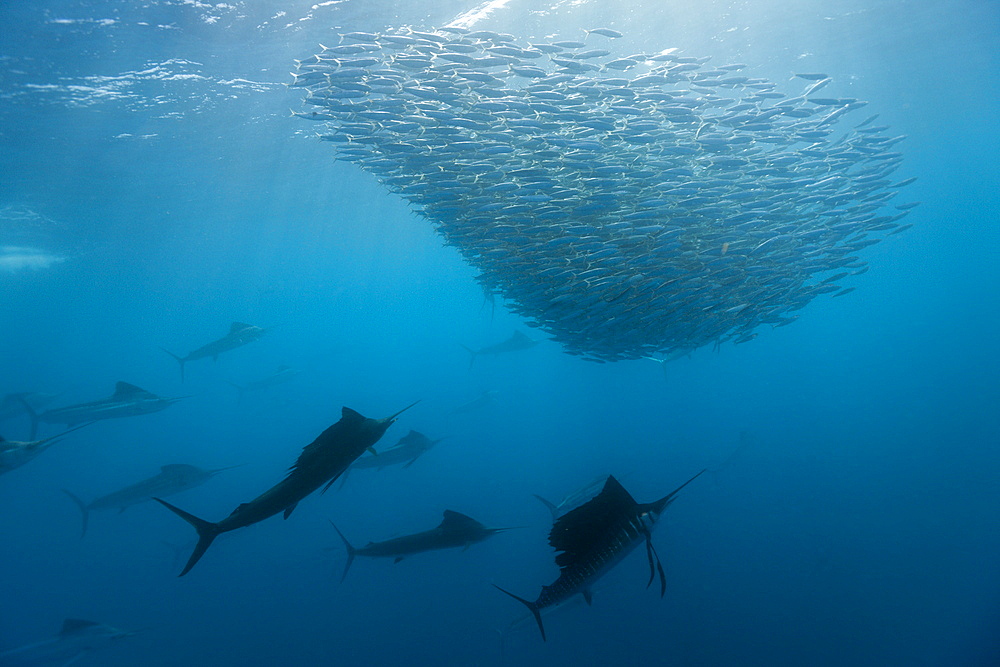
<point x="207" y="532"/>
<point x="84" y="511"/>
<point x="472" y="355"/>
<point x="31" y="414"/>
<point x="552" y="508"/>
<point x="351" y="552"/>
<point x="179" y="361"/>
<point x="531" y="607"/>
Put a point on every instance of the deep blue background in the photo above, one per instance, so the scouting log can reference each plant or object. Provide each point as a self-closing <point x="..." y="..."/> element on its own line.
<point x="856" y="522"/>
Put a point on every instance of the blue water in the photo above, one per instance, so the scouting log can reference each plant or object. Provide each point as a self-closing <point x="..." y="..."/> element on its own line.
<point x="850" y="512"/>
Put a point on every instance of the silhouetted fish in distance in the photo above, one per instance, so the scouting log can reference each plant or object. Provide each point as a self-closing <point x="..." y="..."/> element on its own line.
<point x="280" y="376"/>
<point x="455" y="530"/>
<point x="127" y="401"/>
<point x="77" y="638"/>
<point x="405" y="452"/>
<point x="172" y="478"/>
<point x="240" y="334"/>
<point x="517" y="342"/>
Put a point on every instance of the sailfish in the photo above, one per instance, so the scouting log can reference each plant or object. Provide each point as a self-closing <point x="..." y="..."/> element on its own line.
<point x="319" y="464"/>
<point x="240" y="334"/>
<point x="595" y="537"/>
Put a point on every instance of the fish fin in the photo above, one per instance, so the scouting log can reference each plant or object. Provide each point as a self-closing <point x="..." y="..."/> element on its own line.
<point x="351" y="552"/>
<point x="659" y="569"/>
<point x="84" y="511"/>
<point x="472" y="355"/>
<point x="126" y="389"/>
<point x="179" y="361"/>
<point x="238" y="326"/>
<point x="348" y="414"/>
<point x="411" y="461"/>
<point x="552" y="508"/>
<point x="372" y="451"/>
<point x="207" y="532"/>
<point x="290" y="509"/>
<point x="343" y="479"/>
<point x="397" y="559"/>
<point x="649" y="555"/>
<point x="31" y="414"/>
<point x="330" y="483"/>
<point x="588" y="596"/>
<point x="531" y="607"/>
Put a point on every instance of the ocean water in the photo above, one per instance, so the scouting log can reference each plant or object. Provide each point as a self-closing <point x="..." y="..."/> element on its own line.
<point x="149" y="162"/>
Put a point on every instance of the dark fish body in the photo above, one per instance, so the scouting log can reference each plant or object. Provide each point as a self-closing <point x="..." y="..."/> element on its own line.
<point x="128" y="400"/>
<point x="240" y="334"/>
<point x="517" y="342"/>
<point x="172" y="478"/>
<point x="280" y="376"/>
<point x="77" y="638"/>
<point x="409" y="448"/>
<point x="593" y="538"/>
<point x="319" y="464"/>
<point x="455" y="530"/>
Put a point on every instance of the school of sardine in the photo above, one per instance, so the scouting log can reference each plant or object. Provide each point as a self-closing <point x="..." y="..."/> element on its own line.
<point x="629" y="205"/>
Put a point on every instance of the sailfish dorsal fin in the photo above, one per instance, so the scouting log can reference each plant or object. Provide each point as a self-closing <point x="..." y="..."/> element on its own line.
<point x="454" y="519"/>
<point x="579" y="531"/>
<point x="349" y="415"/>
<point x="72" y="625"/>
<point x="126" y="389"/>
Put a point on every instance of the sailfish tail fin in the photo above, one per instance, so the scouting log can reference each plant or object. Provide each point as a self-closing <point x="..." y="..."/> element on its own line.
<point x="351" y="551"/>
<point x="532" y="607"/>
<point x="180" y="361"/>
<point x="472" y="355"/>
<point x="207" y="532"/>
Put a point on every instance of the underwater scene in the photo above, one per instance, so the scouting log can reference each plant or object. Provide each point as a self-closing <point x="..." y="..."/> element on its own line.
<point x="518" y="332"/>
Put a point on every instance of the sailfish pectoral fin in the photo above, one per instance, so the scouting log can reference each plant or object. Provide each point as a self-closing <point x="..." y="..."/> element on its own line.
<point x="334" y="479"/>
<point x="649" y="555"/>
<point x="659" y="568"/>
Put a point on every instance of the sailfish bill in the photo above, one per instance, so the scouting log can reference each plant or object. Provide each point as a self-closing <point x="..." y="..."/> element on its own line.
<point x="595" y="537"/>
<point x="320" y="463"/>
